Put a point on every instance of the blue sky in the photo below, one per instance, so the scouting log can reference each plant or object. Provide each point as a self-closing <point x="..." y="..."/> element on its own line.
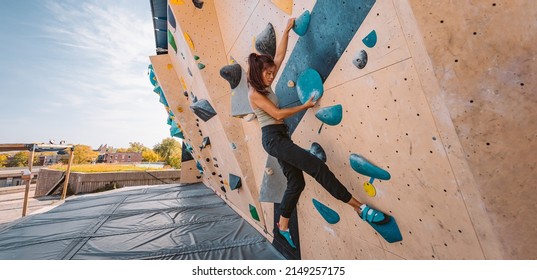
<point x="77" y="71"/>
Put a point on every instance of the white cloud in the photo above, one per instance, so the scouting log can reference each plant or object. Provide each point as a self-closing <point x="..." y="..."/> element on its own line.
<point x="103" y="49"/>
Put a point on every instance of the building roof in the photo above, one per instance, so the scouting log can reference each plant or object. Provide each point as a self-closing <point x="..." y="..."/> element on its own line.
<point x="159" y="10"/>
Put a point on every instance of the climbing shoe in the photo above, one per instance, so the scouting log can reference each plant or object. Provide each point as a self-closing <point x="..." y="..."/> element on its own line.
<point x="287" y="235"/>
<point x="373" y="216"/>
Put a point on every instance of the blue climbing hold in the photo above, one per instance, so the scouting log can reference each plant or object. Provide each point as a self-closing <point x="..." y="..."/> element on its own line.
<point x="171" y="18"/>
<point x="302" y="23"/>
<point x="328" y="214"/>
<point x="364" y="167"/>
<point x="330" y="115"/>
<point x="309" y="84"/>
<point x="163" y="100"/>
<point x="234" y="181"/>
<point x="203" y="109"/>
<point x="371" y="39"/>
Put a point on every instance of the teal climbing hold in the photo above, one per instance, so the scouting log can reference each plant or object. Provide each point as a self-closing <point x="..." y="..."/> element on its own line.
<point x="171" y="113"/>
<point x="328" y="214"/>
<point x="330" y="115"/>
<point x="309" y="84"/>
<point x="200" y="168"/>
<point x="163" y="100"/>
<point x="152" y="76"/>
<point x="364" y="167"/>
<point x="302" y="23"/>
<point x="371" y="39"/>
<point x="171" y="40"/>
<point x="201" y="66"/>
<point x="169" y="122"/>
<point x="158" y="90"/>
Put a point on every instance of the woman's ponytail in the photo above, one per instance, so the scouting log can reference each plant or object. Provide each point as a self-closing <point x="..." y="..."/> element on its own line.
<point x="256" y="65"/>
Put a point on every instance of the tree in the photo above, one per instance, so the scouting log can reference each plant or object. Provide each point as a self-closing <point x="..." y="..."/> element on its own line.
<point x="3" y="160"/>
<point x="84" y="154"/>
<point x="170" y="150"/>
<point x="149" y="155"/>
<point x="136" y="147"/>
<point x="20" y="159"/>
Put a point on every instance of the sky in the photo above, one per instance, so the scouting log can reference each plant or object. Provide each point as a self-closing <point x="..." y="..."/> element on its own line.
<point x="77" y="71"/>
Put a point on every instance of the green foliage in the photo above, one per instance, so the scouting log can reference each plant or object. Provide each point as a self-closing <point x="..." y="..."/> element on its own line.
<point x="84" y="154"/>
<point x="170" y="150"/>
<point x="136" y="147"/>
<point x="20" y="159"/>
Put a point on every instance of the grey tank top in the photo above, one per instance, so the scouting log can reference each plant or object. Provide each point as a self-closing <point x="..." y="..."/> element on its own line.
<point x="264" y="118"/>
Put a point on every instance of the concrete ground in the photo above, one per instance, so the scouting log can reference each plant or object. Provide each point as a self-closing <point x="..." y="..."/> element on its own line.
<point x="12" y="199"/>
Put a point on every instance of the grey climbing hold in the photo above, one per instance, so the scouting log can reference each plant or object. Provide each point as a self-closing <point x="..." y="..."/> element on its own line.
<point x="232" y="73"/>
<point x="360" y="59"/>
<point x="198" y="3"/>
<point x="266" y="41"/>
<point x="302" y="23"/>
<point x="189" y="72"/>
<point x="234" y="181"/>
<point x="206" y="141"/>
<point x="203" y="109"/>
<point x="318" y="151"/>
<point x="171" y="18"/>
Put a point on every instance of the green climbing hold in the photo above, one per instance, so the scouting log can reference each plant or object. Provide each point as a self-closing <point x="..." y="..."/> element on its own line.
<point x="253" y="212"/>
<point x="196" y="57"/>
<point x="201" y="66"/>
<point x="171" y="40"/>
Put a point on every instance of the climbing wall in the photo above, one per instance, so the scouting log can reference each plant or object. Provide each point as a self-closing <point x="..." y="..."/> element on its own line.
<point x="394" y="123"/>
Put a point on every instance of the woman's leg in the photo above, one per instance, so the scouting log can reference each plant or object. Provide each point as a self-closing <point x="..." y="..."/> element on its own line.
<point x="295" y="186"/>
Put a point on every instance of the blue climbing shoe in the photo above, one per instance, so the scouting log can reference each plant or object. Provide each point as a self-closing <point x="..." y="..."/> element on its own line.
<point x="287" y="235"/>
<point x="373" y="216"/>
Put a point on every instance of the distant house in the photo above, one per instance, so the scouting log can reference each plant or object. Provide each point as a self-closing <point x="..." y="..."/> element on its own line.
<point x="51" y="159"/>
<point x="110" y="157"/>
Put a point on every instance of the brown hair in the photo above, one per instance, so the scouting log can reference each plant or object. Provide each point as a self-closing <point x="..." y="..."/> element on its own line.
<point x="257" y="63"/>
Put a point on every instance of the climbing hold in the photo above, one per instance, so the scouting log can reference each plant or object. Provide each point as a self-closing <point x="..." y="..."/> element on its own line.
<point x="233" y="146"/>
<point x="175" y="131"/>
<point x="177" y="2"/>
<point x="171" y="113"/>
<point x="169" y="66"/>
<point x="269" y="171"/>
<point x="266" y="41"/>
<point x="328" y="214"/>
<point x="370" y="189"/>
<point x="189" y="72"/>
<point x="360" y="59"/>
<point x="290" y="84"/>
<point x="364" y="167"/>
<point x="249" y="117"/>
<point x="188" y="40"/>
<point x="203" y="109"/>
<point x="223" y="188"/>
<point x="201" y="66"/>
<point x="234" y="181"/>
<point x="171" y="40"/>
<point x="169" y="122"/>
<point x="152" y="77"/>
<point x="196" y="57"/>
<point x="330" y="115"/>
<point x="302" y="23"/>
<point x="309" y="83"/>
<point x="253" y="212"/>
<point x="163" y="100"/>
<point x="198" y="3"/>
<point x="371" y="39"/>
<point x="284" y="5"/>
<point x="232" y="73"/>
<point x="171" y="18"/>
<point x="200" y="168"/>
<point x="206" y="141"/>
<point x="318" y="151"/>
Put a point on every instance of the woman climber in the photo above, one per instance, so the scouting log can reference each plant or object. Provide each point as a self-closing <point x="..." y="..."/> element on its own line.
<point x="277" y="142"/>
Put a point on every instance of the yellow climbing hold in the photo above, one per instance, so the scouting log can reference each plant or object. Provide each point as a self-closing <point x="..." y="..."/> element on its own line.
<point x="284" y="5"/>
<point x="370" y="189"/>
<point x="183" y="84"/>
<point x="189" y="41"/>
<point x="177" y="2"/>
<point x="170" y="66"/>
<point x="180" y="109"/>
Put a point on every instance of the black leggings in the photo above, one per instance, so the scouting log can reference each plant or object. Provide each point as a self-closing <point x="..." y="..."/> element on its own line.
<point x="293" y="161"/>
